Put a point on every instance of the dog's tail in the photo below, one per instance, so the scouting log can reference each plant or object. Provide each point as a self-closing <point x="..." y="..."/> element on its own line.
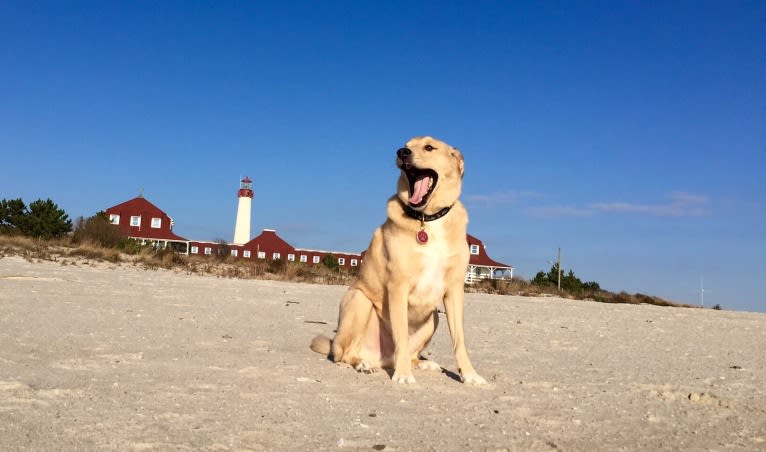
<point x="322" y="345"/>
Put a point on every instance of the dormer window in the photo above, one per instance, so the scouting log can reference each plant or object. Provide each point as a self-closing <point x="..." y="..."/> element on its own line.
<point x="114" y="218"/>
<point x="475" y="250"/>
<point x="156" y="223"/>
<point x="135" y="220"/>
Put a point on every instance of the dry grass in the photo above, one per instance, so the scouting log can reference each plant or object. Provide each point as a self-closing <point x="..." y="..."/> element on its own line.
<point x="95" y="252"/>
<point x="28" y="248"/>
<point x="229" y="267"/>
<point x="520" y="287"/>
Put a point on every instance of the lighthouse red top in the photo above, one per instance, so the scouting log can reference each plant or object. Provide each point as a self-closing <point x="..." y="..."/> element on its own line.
<point x="245" y="188"/>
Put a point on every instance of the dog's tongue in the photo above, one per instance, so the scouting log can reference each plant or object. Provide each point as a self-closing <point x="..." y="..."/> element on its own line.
<point x="420" y="189"/>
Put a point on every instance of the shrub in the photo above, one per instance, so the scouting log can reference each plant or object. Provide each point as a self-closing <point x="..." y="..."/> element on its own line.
<point x="97" y="229"/>
<point x="276" y="266"/>
<point x="129" y="245"/>
<point x="223" y="250"/>
<point x="592" y="286"/>
<point x="330" y="261"/>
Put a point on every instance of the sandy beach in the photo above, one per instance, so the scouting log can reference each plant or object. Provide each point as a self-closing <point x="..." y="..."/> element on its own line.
<point x="97" y="356"/>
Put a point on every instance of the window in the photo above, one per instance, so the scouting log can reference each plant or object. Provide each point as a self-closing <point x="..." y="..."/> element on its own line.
<point x="475" y="250"/>
<point x="156" y="223"/>
<point x="234" y="253"/>
<point x="114" y="218"/>
<point x="341" y="261"/>
<point x="135" y="220"/>
<point x="261" y="254"/>
<point x="354" y="262"/>
<point x="315" y="259"/>
<point x="208" y="250"/>
<point x="304" y="258"/>
<point x="291" y="257"/>
<point x="246" y="254"/>
<point x="194" y="250"/>
<point x="276" y="256"/>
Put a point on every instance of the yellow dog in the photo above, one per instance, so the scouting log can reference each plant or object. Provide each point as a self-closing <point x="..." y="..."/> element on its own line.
<point x="416" y="261"/>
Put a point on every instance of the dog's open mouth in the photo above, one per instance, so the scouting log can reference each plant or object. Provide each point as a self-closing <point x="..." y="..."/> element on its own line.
<point x="422" y="184"/>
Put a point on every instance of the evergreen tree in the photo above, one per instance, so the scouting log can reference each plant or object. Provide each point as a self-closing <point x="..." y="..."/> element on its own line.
<point x="12" y="215"/>
<point x="45" y="220"/>
<point x="541" y="278"/>
<point x="569" y="282"/>
<point x="592" y="286"/>
<point x="330" y="261"/>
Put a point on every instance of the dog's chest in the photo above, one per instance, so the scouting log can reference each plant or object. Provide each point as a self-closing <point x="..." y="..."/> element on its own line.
<point x="434" y="257"/>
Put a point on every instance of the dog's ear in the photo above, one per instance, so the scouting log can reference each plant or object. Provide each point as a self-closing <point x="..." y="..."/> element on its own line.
<point x="455" y="152"/>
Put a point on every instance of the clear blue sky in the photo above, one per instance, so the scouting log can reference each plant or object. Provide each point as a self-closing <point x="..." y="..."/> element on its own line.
<point x="630" y="134"/>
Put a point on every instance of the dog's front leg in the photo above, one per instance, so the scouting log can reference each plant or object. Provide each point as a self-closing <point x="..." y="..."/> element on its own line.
<point x="399" y="318"/>
<point x="453" y="307"/>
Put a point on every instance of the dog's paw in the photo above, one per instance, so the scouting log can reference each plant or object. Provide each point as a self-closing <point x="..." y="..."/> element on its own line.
<point x="473" y="379"/>
<point x="425" y="364"/>
<point x="404" y="379"/>
<point x="365" y="368"/>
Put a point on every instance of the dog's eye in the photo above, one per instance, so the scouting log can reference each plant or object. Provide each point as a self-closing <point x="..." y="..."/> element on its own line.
<point x="429" y="148"/>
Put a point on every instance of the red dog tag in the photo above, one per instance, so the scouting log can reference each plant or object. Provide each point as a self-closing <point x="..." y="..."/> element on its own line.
<point x="422" y="237"/>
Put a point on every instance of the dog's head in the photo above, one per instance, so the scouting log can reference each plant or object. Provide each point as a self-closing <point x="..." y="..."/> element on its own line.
<point x="432" y="174"/>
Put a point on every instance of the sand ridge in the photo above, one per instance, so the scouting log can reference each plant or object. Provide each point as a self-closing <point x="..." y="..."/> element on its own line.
<point x="98" y="356"/>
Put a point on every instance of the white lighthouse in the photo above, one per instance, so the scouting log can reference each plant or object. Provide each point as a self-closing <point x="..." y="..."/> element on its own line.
<point x="242" y="227"/>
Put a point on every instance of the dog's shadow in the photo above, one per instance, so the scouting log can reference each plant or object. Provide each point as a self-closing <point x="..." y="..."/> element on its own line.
<point x="452" y="375"/>
<point x="390" y="372"/>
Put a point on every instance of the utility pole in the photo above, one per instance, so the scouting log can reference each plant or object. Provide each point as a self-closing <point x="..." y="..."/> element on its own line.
<point x="558" y="267"/>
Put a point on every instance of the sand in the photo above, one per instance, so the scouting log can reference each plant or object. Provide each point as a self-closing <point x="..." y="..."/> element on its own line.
<point x="97" y="356"/>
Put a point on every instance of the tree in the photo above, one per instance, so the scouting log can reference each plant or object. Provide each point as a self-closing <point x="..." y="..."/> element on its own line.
<point x="591" y="286"/>
<point x="330" y="261"/>
<point x="541" y="278"/>
<point x="223" y="249"/>
<point x="552" y="277"/>
<point x="12" y="215"/>
<point x="45" y="220"/>
<point x="99" y="230"/>
<point x="569" y="282"/>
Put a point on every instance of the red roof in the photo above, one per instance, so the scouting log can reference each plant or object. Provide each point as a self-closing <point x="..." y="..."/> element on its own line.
<point x="482" y="258"/>
<point x="146" y="211"/>
<point x="269" y="241"/>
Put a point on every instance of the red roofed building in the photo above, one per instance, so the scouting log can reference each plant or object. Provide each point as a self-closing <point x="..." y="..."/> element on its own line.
<point x="481" y="266"/>
<point x="140" y="219"/>
<point x="268" y="245"/>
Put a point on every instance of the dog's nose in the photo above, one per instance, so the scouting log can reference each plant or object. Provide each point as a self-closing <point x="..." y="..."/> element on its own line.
<point x="403" y="153"/>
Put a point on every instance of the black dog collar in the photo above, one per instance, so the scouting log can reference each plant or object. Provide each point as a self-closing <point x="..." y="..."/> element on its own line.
<point x="423" y="217"/>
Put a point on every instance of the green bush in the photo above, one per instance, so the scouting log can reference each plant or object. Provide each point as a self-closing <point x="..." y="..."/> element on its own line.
<point x="330" y="261"/>
<point x="276" y="265"/>
<point x="129" y="245"/>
